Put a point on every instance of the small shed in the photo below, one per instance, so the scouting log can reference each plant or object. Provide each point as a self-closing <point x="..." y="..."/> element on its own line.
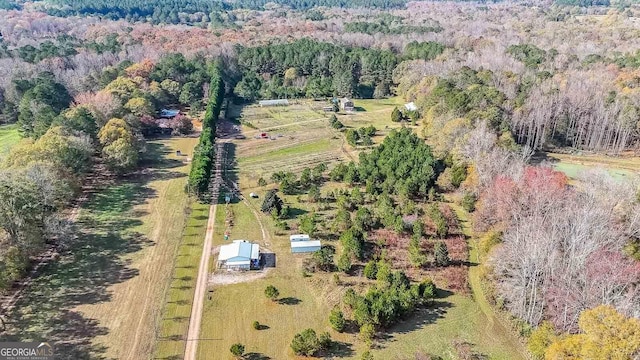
<point x="239" y="255"/>
<point x="411" y="106"/>
<point x="299" y="237"/>
<point x="274" y="102"/>
<point x="346" y="104"/>
<point x="169" y="113"/>
<point x="298" y="247"/>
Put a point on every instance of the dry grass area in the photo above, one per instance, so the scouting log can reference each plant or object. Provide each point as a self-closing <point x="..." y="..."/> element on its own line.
<point x="103" y="298"/>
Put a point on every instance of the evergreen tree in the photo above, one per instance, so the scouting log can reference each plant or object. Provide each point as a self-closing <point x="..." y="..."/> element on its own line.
<point x="441" y="254"/>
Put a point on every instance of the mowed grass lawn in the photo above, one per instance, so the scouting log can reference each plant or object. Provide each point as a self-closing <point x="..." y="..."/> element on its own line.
<point x="229" y="315"/>
<point x="103" y="298"/>
<point x="9" y="136"/>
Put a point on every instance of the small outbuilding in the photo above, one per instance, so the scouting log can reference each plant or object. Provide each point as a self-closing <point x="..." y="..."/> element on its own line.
<point x="411" y="106"/>
<point x="346" y="104"/>
<point x="310" y="246"/>
<point x="169" y="113"/>
<point x="239" y="255"/>
<point x="301" y="243"/>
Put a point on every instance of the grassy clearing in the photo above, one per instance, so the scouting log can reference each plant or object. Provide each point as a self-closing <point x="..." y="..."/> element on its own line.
<point x="574" y="165"/>
<point x="103" y="298"/>
<point x="9" y="136"/>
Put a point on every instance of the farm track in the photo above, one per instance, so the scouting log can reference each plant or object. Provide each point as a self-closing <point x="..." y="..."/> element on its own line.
<point x="195" y="320"/>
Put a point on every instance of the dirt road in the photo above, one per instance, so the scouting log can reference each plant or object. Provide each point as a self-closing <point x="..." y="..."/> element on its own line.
<point x="191" y="348"/>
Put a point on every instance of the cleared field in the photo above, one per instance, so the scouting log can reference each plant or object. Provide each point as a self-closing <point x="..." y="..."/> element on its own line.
<point x="103" y="298"/>
<point x="307" y="300"/>
<point x="618" y="167"/>
<point x="9" y="136"/>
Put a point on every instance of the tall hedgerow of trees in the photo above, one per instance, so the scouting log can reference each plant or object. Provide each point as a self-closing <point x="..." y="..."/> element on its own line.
<point x="204" y="155"/>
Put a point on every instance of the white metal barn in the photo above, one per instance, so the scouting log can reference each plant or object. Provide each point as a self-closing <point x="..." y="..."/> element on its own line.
<point x="239" y="255"/>
<point x="301" y="243"/>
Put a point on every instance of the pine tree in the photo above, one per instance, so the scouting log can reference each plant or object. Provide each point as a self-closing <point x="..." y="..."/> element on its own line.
<point x="441" y="254"/>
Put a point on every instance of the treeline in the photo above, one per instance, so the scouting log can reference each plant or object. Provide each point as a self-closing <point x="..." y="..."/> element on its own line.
<point x="384" y="28"/>
<point x="204" y="154"/>
<point x="308" y="68"/>
<point x="191" y="11"/>
<point x="63" y="47"/>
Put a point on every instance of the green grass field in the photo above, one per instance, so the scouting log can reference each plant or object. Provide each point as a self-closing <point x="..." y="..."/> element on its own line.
<point x="103" y="299"/>
<point x="177" y="309"/>
<point x="9" y="136"/>
<point x="229" y="314"/>
<point x="574" y="166"/>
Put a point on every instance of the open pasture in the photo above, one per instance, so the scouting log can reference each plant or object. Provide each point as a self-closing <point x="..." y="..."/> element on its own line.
<point x="9" y="136"/>
<point x="620" y="168"/>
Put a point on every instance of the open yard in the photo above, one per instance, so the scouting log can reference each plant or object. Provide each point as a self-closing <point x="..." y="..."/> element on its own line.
<point x="9" y="136"/>
<point x="103" y="298"/>
<point x="306" y="299"/>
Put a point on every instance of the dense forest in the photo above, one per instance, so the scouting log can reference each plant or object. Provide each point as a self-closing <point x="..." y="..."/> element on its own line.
<point x="307" y="68"/>
<point x="193" y="11"/>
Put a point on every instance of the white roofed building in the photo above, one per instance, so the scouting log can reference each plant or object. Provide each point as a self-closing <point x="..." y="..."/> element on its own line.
<point x="411" y="106"/>
<point x="239" y="255"/>
<point x="302" y="243"/>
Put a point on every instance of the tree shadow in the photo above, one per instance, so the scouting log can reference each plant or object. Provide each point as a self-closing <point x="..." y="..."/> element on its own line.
<point x="416" y="321"/>
<point x="289" y="301"/>
<point x="263" y="327"/>
<point x="295" y="212"/>
<point x="255" y="356"/>
<point x="340" y="349"/>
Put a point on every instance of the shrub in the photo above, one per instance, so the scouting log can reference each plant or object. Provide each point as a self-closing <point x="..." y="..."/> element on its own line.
<point x="324" y="340"/>
<point x="366" y="355"/>
<point x="367" y="333"/>
<point x="262" y="182"/>
<point x="271" y="292"/>
<point x="371" y="269"/>
<point x="256" y="325"/>
<point x="323" y="258"/>
<point x="469" y="201"/>
<point x="344" y="262"/>
<point x="396" y="115"/>
<point x="237" y="350"/>
<point x="439" y="221"/>
<point x="336" y="319"/>
<point x="305" y="343"/>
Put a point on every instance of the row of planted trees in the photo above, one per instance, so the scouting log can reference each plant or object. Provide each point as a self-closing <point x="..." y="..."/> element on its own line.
<point x="204" y="154"/>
